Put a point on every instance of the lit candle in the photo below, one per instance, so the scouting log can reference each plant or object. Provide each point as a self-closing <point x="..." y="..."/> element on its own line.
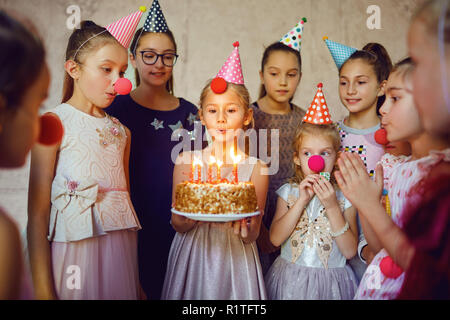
<point x="196" y="163"/>
<point x="218" y="177"/>
<point x="212" y="162"/>
<point x="236" y="158"/>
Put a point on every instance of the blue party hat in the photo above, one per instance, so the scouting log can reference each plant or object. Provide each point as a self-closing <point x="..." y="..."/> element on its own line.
<point x="155" y="21"/>
<point x="339" y="52"/>
<point x="293" y="38"/>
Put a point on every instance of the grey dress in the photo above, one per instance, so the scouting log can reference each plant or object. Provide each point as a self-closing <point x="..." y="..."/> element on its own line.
<point x="210" y="262"/>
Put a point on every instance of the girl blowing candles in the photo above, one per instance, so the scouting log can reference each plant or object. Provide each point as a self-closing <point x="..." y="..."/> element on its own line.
<point x="78" y="193"/>
<point x="314" y="223"/>
<point x="219" y="260"/>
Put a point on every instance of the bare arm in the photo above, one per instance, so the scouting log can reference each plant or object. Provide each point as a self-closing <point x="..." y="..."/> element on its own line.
<point x="10" y="257"/>
<point x="126" y="158"/>
<point x="351" y="177"/>
<point x="286" y="218"/>
<point x="39" y="203"/>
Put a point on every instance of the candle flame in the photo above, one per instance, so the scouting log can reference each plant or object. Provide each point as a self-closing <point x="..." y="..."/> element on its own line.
<point x="219" y="163"/>
<point x="212" y="160"/>
<point x="236" y="158"/>
<point x="197" y="162"/>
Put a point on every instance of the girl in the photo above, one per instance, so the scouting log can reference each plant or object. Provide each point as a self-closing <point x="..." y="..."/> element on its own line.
<point x="24" y="83"/>
<point x="401" y="121"/>
<point x="153" y="114"/>
<point x="218" y="260"/>
<point x="280" y="76"/>
<point x="362" y="79"/>
<point x="314" y="223"/>
<point x="78" y="193"/>
<point x="427" y="225"/>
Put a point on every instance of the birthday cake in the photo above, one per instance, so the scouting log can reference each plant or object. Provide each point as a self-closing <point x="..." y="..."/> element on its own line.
<point x="215" y="198"/>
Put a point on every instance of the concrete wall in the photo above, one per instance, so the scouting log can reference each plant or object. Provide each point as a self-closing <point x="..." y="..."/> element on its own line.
<point x="205" y="31"/>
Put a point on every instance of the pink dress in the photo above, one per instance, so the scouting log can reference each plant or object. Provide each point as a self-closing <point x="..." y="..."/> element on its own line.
<point x="400" y="175"/>
<point x="92" y="221"/>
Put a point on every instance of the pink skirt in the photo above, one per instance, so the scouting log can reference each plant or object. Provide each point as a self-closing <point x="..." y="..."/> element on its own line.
<point x="100" y="268"/>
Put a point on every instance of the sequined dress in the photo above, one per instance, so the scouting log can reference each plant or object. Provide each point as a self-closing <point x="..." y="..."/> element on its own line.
<point x="310" y="266"/>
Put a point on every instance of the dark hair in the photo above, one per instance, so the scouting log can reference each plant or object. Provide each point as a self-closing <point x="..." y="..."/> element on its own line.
<point x="277" y="46"/>
<point x="135" y="43"/>
<point x="377" y="56"/>
<point x="22" y="57"/>
<point x="88" y="37"/>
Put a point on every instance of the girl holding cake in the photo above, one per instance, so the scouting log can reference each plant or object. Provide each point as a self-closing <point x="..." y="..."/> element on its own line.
<point x="314" y="223"/>
<point x="82" y="228"/>
<point x="219" y="260"/>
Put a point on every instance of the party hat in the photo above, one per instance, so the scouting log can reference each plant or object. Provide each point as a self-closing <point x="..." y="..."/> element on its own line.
<point x="339" y="52"/>
<point x="318" y="112"/>
<point x="123" y="29"/>
<point x="293" y="38"/>
<point x="155" y="21"/>
<point x="231" y="72"/>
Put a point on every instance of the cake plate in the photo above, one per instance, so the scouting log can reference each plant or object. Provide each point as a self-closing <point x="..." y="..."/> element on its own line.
<point x="215" y="217"/>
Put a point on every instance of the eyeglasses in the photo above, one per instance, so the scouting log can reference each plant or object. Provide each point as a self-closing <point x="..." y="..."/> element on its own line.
<point x="150" y="58"/>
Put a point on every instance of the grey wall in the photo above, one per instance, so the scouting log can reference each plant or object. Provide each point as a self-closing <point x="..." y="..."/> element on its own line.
<point x="205" y="31"/>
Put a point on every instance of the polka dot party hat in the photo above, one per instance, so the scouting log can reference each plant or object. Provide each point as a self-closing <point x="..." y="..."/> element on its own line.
<point x="231" y="72"/>
<point x="293" y="38"/>
<point x="124" y="28"/>
<point x="318" y="112"/>
<point x="339" y="52"/>
<point x="155" y="21"/>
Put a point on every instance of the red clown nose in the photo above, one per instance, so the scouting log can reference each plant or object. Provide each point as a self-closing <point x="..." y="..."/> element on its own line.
<point x="52" y="130"/>
<point x="381" y="137"/>
<point x="123" y="86"/>
<point x="316" y="163"/>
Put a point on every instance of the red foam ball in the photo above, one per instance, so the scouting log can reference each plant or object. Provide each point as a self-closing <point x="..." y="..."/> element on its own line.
<point x="389" y="268"/>
<point x="52" y="130"/>
<point x="123" y="86"/>
<point x="381" y="136"/>
<point x="316" y="163"/>
<point x="218" y="85"/>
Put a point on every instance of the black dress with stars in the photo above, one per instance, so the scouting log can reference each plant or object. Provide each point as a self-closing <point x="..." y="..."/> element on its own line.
<point x="151" y="170"/>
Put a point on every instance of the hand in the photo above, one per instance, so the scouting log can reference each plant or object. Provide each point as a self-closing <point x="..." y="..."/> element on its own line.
<point x="325" y="192"/>
<point x="355" y="182"/>
<point x="246" y="228"/>
<point x="305" y="188"/>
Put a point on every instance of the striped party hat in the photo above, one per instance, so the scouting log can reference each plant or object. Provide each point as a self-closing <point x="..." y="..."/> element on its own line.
<point x="293" y="38"/>
<point x="123" y="29"/>
<point x="318" y="112"/>
<point x="339" y="52"/>
<point x="155" y="21"/>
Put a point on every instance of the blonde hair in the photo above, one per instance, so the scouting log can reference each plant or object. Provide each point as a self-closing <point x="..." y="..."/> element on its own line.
<point x="239" y="89"/>
<point x="325" y="130"/>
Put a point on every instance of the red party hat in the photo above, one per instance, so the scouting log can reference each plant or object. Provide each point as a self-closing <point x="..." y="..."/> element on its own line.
<point x="318" y="112"/>
<point x="124" y="28"/>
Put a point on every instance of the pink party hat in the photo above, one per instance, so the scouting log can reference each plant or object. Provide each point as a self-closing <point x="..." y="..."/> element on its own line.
<point x="123" y="29"/>
<point x="232" y="71"/>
